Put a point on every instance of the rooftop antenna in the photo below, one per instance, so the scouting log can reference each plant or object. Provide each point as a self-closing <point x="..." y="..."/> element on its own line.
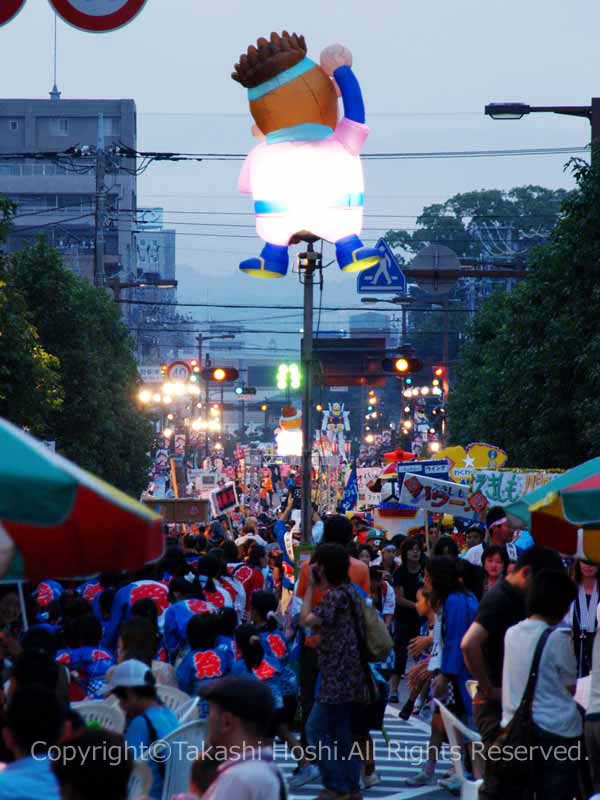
<point x="55" y="94"/>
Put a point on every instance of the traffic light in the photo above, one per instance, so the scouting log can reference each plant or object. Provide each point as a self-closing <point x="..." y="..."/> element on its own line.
<point x="243" y="390"/>
<point x="264" y="407"/>
<point x="288" y="377"/>
<point x="163" y="369"/>
<point x="439" y="375"/>
<point x="220" y="374"/>
<point x="402" y="365"/>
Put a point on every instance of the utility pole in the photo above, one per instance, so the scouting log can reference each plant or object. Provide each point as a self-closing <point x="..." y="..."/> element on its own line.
<point x="308" y="263"/>
<point x="99" y="275"/>
<point x="199" y="340"/>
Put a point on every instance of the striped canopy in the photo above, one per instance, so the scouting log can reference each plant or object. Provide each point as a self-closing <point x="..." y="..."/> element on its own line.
<point x="63" y="521"/>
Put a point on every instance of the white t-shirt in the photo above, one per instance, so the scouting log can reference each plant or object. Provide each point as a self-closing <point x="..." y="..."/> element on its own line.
<point x="554" y="708"/>
<point x="594" y="701"/>
<point x="474" y="554"/>
<point x="389" y="599"/>
<point x="246" y="780"/>
<point x="435" y="657"/>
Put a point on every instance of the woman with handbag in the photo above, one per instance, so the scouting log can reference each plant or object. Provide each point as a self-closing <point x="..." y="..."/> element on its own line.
<point x="342" y="684"/>
<point x="538" y="708"/>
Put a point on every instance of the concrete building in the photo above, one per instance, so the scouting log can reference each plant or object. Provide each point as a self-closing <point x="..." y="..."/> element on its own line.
<point x="57" y="197"/>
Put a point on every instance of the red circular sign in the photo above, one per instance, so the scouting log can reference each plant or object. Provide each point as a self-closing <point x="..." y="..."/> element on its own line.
<point x="179" y="370"/>
<point x="9" y="9"/>
<point x="98" y="16"/>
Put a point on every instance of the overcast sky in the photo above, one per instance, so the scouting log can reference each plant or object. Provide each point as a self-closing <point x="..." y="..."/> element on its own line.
<point x="426" y="69"/>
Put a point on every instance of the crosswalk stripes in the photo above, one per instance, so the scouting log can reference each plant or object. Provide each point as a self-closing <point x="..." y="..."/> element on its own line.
<point x="398" y="758"/>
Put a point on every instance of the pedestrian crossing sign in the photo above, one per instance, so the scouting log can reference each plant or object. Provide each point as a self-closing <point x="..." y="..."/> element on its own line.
<point x="385" y="277"/>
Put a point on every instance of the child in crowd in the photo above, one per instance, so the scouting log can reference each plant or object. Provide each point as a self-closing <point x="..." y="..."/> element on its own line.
<point x="204" y="661"/>
<point x="188" y="600"/>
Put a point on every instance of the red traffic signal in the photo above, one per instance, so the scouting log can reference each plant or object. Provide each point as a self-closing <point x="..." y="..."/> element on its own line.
<point x="220" y="374"/>
<point x="439" y="372"/>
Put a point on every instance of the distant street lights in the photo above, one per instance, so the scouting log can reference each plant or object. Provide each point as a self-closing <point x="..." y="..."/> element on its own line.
<point x="502" y="111"/>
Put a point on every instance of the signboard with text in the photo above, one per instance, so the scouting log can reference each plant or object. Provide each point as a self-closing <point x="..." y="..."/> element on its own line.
<point x="502" y="487"/>
<point x="224" y="499"/>
<point x="433" y="469"/>
<point x="440" y="497"/>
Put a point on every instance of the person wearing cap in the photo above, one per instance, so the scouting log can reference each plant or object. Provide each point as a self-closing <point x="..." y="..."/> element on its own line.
<point x="240" y="714"/>
<point x="148" y="720"/>
<point x="500" y="534"/>
<point x="375" y="539"/>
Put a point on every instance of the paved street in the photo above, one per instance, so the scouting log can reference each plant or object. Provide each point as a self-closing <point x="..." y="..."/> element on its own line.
<point x="395" y="762"/>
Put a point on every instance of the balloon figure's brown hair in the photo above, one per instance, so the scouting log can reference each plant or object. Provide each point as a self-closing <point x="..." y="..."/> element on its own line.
<point x="269" y="58"/>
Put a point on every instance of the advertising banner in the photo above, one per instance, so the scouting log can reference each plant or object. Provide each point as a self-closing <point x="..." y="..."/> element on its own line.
<point x="441" y="497"/>
<point x="502" y="487"/>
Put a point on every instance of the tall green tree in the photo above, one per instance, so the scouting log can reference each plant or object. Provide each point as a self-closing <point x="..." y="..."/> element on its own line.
<point x="30" y="384"/>
<point x="529" y="378"/>
<point x="490" y="222"/>
<point x="98" y="425"/>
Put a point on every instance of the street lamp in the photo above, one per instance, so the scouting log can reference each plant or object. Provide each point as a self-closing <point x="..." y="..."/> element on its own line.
<point x="148" y="283"/>
<point x="501" y="111"/>
<point x="200" y="339"/>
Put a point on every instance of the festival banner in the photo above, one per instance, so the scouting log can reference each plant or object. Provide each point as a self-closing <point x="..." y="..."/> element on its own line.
<point x="441" y="497"/>
<point x="502" y="487"/>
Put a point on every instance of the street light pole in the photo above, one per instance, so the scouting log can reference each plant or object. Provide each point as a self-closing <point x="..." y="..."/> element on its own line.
<point x="308" y="263"/>
<point x="508" y="111"/>
<point x="100" y="216"/>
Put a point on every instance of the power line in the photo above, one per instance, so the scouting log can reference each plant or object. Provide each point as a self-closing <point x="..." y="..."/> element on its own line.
<point x="271" y="307"/>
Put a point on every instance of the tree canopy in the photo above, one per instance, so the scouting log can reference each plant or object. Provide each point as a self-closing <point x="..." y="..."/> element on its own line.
<point x="529" y="376"/>
<point x="68" y="371"/>
<point x="490" y="223"/>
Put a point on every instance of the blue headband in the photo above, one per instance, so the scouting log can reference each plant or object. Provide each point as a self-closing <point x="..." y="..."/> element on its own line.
<point x="256" y="92"/>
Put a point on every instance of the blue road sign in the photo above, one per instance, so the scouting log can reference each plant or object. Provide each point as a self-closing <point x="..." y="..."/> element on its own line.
<point x="384" y="278"/>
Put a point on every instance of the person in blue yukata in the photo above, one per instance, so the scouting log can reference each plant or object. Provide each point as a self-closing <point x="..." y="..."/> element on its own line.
<point x="149" y="720"/>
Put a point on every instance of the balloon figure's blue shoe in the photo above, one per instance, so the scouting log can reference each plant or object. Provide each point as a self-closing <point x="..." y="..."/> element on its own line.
<point x="353" y="256"/>
<point x="272" y="263"/>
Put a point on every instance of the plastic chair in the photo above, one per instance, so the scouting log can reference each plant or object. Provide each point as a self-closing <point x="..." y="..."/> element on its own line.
<point x="469" y="790"/>
<point x="140" y="781"/>
<point x="105" y="715"/>
<point x="176" y="751"/>
<point x="173" y="698"/>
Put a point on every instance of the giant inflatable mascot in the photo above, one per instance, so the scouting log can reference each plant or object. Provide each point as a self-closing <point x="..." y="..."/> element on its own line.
<point x="305" y="176"/>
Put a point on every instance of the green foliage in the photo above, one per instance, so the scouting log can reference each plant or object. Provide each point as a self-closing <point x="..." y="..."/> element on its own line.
<point x="529" y="379"/>
<point x="30" y="383"/>
<point x="97" y="425"/>
<point x="505" y="221"/>
<point x="7" y="211"/>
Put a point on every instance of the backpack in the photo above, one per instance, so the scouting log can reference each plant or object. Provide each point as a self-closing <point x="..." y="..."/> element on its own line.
<point x="378" y="641"/>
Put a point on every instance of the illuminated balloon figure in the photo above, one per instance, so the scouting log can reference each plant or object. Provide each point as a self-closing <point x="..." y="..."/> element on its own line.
<point x="305" y="177"/>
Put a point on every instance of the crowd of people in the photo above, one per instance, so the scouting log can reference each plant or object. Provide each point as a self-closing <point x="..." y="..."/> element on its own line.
<point x="279" y="651"/>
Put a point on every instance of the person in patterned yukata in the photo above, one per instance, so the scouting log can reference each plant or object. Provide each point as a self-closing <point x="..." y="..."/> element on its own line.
<point x="205" y="661"/>
<point x="342" y="687"/>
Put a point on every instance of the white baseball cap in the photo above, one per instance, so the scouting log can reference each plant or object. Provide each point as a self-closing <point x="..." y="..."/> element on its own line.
<point x="130" y="674"/>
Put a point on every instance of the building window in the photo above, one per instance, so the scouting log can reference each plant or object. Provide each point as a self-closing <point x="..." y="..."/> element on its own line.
<point x="112" y="126"/>
<point x="13" y="125"/>
<point x="59" y="127"/>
